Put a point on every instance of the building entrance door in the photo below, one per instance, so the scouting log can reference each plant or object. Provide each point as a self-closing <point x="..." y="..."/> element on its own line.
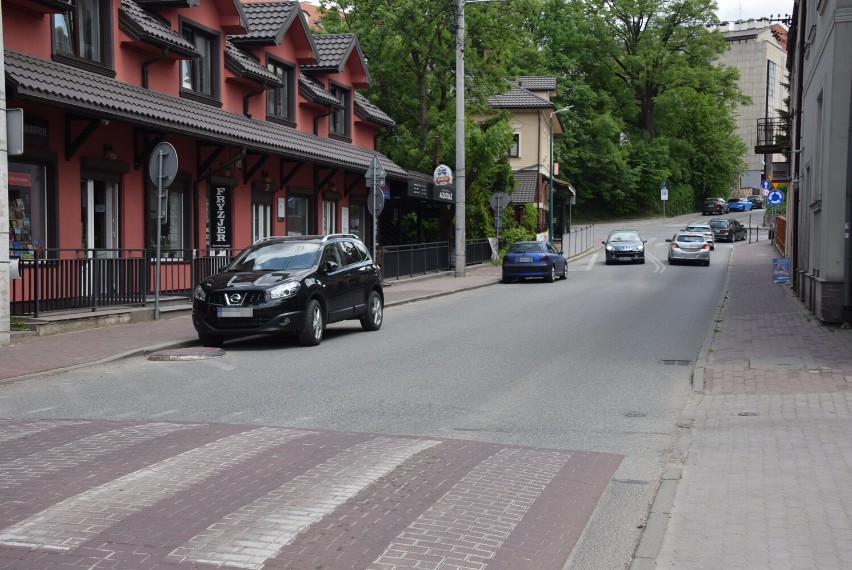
<point x="99" y="217"/>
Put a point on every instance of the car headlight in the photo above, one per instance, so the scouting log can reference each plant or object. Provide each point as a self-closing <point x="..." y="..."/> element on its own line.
<point x="199" y="293"/>
<point x="285" y="290"/>
<point x="610" y="248"/>
<point x="641" y="248"/>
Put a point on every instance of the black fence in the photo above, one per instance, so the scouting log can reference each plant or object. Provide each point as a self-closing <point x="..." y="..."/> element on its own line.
<point x="74" y="279"/>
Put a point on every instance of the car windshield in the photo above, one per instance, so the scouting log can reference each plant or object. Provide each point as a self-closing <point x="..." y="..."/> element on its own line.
<point x="697" y="228"/>
<point x="281" y="256"/>
<point x="623" y="236"/>
<point x="525" y="247"/>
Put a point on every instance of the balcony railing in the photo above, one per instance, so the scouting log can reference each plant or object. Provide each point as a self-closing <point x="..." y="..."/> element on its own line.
<point x="772" y="136"/>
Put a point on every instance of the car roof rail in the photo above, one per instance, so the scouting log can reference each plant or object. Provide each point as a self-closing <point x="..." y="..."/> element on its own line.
<point x="325" y="238"/>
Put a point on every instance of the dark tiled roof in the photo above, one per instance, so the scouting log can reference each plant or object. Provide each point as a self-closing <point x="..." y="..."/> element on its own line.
<point x="519" y="98"/>
<point x="268" y="22"/>
<point x="365" y="109"/>
<point x="333" y="50"/>
<point x="526" y="182"/>
<point x="87" y="93"/>
<point x="170" y="3"/>
<point x="142" y="25"/>
<point x="316" y="93"/>
<point x="537" y="82"/>
<point x="245" y="65"/>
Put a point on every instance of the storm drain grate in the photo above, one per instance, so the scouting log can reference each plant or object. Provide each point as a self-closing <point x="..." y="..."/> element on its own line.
<point x="675" y="362"/>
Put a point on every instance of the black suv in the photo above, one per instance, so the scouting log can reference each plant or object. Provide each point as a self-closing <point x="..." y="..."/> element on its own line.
<point x="714" y="206"/>
<point x="728" y="230"/>
<point x="290" y="285"/>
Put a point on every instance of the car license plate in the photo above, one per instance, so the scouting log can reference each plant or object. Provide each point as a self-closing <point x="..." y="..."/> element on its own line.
<point x="223" y="312"/>
<point x="525" y="260"/>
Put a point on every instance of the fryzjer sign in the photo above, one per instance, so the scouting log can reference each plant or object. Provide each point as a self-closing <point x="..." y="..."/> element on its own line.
<point x="220" y="218"/>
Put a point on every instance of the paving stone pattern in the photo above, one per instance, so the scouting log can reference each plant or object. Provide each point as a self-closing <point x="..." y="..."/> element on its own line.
<point x="767" y="482"/>
<point x="99" y="494"/>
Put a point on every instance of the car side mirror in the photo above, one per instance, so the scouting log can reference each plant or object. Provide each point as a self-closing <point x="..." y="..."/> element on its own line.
<point x="603" y="242"/>
<point x="669" y="240"/>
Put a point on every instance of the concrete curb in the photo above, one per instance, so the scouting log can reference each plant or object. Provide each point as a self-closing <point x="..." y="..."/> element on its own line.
<point x="645" y="557"/>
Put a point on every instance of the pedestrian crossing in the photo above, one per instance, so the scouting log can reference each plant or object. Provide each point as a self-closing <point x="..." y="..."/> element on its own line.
<point x="149" y="495"/>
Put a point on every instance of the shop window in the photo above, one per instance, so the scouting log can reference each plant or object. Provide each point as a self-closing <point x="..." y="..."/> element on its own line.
<point x="261" y="217"/>
<point x="200" y="76"/>
<point x="340" y="118"/>
<point x="329" y="217"/>
<point x="28" y="221"/>
<point x="298" y="218"/>
<point x="173" y="219"/>
<point x="280" y="101"/>
<point x="81" y="35"/>
<point x="356" y="220"/>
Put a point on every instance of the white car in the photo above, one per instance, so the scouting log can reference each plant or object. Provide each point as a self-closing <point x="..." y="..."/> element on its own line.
<point x="702" y="228"/>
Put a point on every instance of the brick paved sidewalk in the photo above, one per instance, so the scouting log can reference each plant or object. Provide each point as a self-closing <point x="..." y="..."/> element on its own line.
<point x="766" y="481"/>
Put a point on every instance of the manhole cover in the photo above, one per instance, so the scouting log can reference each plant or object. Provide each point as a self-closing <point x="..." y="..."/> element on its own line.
<point x="748" y="414"/>
<point x="191" y="353"/>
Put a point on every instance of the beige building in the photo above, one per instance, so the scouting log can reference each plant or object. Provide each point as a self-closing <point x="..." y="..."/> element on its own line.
<point x="758" y="50"/>
<point x="535" y="120"/>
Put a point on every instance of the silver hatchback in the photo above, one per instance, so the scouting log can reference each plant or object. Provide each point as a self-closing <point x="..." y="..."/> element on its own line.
<point x="688" y="247"/>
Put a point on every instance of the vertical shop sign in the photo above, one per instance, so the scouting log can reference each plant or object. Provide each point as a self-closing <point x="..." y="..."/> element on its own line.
<point x="220" y="218"/>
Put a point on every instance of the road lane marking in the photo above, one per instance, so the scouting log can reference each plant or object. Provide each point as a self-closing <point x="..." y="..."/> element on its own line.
<point x="71" y="522"/>
<point x="252" y="534"/>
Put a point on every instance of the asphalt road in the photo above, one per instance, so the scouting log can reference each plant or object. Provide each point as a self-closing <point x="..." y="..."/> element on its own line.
<point x="601" y="362"/>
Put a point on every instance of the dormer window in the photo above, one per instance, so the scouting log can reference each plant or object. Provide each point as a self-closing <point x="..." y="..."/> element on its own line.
<point x="340" y="118"/>
<point x="280" y="101"/>
<point x="80" y="34"/>
<point x="199" y="77"/>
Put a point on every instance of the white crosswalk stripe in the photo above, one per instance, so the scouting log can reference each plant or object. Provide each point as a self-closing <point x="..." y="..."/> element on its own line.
<point x="72" y="522"/>
<point x="256" y="532"/>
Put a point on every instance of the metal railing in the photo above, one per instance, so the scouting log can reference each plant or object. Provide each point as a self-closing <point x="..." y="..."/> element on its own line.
<point x="75" y="279"/>
<point x="414" y="259"/>
<point x="578" y="240"/>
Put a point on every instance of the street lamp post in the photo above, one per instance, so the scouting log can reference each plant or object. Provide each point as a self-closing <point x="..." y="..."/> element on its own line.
<point x="550" y="174"/>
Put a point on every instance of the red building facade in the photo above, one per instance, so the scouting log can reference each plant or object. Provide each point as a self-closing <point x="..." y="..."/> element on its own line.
<point x="271" y="135"/>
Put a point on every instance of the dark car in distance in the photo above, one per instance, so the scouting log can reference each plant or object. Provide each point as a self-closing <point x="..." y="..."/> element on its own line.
<point x="534" y="259"/>
<point x="290" y="285"/>
<point x="728" y="229"/>
<point x="714" y="206"/>
<point x="624" y="245"/>
<point x="757" y="200"/>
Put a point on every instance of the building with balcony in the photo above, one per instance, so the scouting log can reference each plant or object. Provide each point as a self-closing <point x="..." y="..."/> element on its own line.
<point x="758" y="49"/>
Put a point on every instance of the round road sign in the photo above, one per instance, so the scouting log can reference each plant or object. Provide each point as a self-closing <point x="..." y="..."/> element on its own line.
<point x="775" y="198"/>
<point x="499" y="200"/>
<point x="170" y="164"/>
<point x="376" y="201"/>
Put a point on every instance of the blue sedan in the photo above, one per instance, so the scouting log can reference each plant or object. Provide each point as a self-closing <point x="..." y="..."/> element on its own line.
<point x="740" y="204"/>
<point x="534" y="259"/>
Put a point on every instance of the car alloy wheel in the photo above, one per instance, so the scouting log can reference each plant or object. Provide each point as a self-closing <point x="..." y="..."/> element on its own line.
<point x="314" y="326"/>
<point x="372" y="320"/>
<point x="552" y="276"/>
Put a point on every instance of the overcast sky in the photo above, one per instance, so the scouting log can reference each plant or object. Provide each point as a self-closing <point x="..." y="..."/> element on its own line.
<point x="732" y="10"/>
